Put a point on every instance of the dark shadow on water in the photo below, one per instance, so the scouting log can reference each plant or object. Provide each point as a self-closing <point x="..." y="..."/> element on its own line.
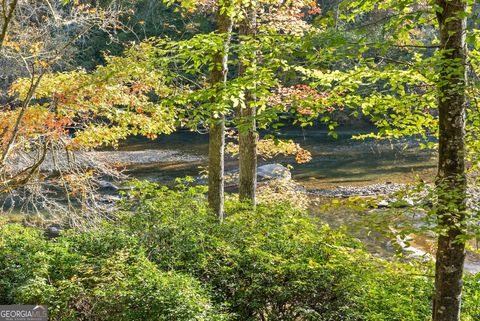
<point x="335" y="161"/>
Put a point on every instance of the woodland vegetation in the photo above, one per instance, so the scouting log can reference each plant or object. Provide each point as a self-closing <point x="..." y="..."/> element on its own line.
<point x="80" y="79"/>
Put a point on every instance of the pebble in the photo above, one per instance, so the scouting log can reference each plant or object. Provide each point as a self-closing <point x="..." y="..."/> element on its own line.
<point x="350" y="191"/>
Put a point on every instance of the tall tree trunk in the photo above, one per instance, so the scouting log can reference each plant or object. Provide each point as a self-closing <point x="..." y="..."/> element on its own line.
<point x="248" y="136"/>
<point x="216" y="144"/>
<point x="451" y="180"/>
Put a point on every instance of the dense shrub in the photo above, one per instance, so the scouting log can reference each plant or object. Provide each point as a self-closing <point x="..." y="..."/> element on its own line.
<point x="23" y="258"/>
<point x="99" y="275"/>
<point x="471" y="298"/>
<point x="272" y="262"/>
<point x="383" y="291"/>
<point x="167" y="258"/>
<point x="276" y="262"/>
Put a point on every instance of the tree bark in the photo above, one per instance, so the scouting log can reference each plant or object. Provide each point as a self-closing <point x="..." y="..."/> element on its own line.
<point x="7" y="13"/>
<point x="216" y="146"/>
<point x="248" y="136"/>
<point x="337" y="13"/>
<point x="451" y="180"/>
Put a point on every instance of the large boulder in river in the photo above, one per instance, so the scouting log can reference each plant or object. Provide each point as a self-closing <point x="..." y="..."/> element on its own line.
<point x="264" y="173"/>
<point x="273" y="171"/>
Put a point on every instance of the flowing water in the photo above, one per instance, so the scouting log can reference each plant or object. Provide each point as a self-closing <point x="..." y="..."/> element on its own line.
<point x="341" y="161"/>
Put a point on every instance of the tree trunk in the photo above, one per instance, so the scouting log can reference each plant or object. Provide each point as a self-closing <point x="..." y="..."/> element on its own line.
<point x="248" y="136"/>
<point x="216" y="144"/>
<point x="337" y="13"/>
<point x="8" y="11"/>
<point x="451" y="180"/>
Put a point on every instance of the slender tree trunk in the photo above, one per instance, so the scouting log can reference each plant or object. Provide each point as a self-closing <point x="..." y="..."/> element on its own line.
<point x="451" y="180"/>
<point x="337" y="13"/>
<point x="8" y="11"/>
<point x="216" y="144"/>
<point x="248" y="136"/>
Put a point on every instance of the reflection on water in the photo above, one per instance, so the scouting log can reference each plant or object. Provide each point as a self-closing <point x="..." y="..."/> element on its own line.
<point x="346" y="161"/>
<point x="341" y="161"/>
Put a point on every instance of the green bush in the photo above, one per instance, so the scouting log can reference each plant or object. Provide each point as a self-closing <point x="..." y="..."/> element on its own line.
<point x="23" y="257"/>
<point x="167" y="258"/>
<point x="134" y="289"/>
<point x="383" y="291"/>
<point x="274" y="262"/>
<point x="471" y="298"/>
<point x="98" y="275"/>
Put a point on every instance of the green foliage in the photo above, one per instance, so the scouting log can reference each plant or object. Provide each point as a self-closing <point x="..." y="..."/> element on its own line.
<point x="266" y="262"/>
<point x="23" y="259"/>
<point x="471" y="297"/>
<point x="398" y="292"/>
<point x="274" y="262"/>
<point x="97" y="275"/>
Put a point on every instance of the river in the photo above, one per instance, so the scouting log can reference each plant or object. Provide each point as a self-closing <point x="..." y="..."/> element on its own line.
<point x="341" y="161"/>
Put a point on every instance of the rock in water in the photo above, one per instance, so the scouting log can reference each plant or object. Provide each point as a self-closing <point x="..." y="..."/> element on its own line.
<point x="107" y="186"/>
<point x="273" y="171"/>
<point x="52" y="231"/>
<point x="264" y="173"/>
<point x="383" y="204"/>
